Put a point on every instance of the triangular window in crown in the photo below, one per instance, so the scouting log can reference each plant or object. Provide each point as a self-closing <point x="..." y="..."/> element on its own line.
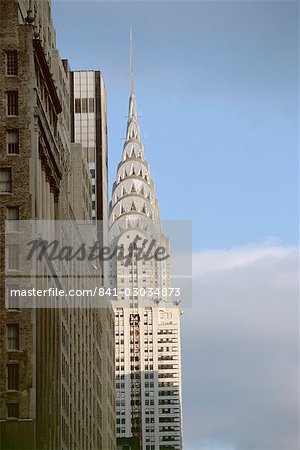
<point x="142" y="191"/>
<point x="122" y="209"/>
<point x="141" y="172"/>
<point x="133" y="171"/>
<point x="133" y="188"/>
<point x="124" y="191"/>
<point x="133" y="207"/>
<point x="132" y="132"/>
<point x="144" y="209"/>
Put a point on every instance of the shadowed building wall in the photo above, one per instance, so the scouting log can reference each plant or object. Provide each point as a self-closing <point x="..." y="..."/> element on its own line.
<point x="56" y="364"/>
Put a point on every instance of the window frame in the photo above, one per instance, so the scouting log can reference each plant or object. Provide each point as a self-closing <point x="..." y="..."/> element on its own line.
<point x="13" y="416"/>
<point x="12" y="338"/>
<point x="9" y="132"/>
<point x="13" y="303"/>
<point x="13" y="379"/>
<point x="11" y="63"/>
<point x="8" y="170"/>
<point x="13" y="258"/>
<point x="13" y="223"/>
<point x="12" y="108"/>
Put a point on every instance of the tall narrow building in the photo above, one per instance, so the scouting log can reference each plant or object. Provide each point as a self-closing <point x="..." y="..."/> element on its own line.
<point x="57" y="387"/>
<point x="147" y="321"/>
<point x="89" y="128"/>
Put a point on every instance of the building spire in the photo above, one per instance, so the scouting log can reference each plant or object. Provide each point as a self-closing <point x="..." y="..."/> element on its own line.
<point x="131" y="65"/>
<point x="134" y="200"/>
<point x="132" y="101"/>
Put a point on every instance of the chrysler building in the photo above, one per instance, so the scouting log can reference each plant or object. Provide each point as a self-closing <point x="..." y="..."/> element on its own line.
<point x="147" y="315"/>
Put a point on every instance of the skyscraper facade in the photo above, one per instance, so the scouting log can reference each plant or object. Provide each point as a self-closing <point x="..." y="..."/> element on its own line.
<point x="147" y="322"/>
<point x="89" y="128"/>
<point x="56" y="363"/>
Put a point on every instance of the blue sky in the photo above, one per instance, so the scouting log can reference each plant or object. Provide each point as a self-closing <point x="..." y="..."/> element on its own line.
<point x="217" y="90"/>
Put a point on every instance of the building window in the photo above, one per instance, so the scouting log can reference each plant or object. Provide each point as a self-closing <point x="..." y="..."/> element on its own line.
<point x="11" y="63"/>
<point x="12" y="141"/>
<point x="12" y="218"/>
<point x="5" y="180"/>
<point x="13" y="377"/>
<point x="84" y="105"/>
<point x="91" y="105"/>
<point x="12" y="410"/>
<point x="13" y="296"/>
<point x="91" y="154"/>
<point x="13" y="337"/>
<point x="12" y="103"/>
<point x="13" y="256"/>
<point x="77" y="105"/>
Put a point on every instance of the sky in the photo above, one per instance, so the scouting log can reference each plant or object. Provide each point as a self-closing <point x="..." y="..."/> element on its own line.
<point x="217" y="88"/>
<point x="217" y="91"/>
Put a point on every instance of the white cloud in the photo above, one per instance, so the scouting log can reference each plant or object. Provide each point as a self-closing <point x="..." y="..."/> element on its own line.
<point x="227" y="259"/>
<point x="240" y="350"/>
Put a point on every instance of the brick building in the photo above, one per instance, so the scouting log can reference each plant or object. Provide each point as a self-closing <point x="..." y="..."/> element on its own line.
<point x="56" y="364"/>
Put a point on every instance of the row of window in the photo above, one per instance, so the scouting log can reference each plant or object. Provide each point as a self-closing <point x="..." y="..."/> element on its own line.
<point x="167" y="339"/>
<point x="168" y="375"/>
<point x="168" y="383"/>
<point x="168" y="419"/>
<point x="84" y="105"/>
<point x="167" y="349"/>
<point x="146" y="375"/>
<point x="169" y="438"/>
<point x="168" y="410"/>
<point x="167" y="331"/>
<point x="171" y="401"/>
<point x="168" y="393"/>
<point x="169" y="447"/>
<point x="167" y="366"/>
<point x="168" y="357"/>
